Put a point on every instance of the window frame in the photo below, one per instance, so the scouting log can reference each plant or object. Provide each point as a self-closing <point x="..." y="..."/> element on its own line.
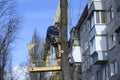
<point x="105" y="74"/>
<point x="100" y="17"/>
<point x="92" y="20"/>
<point x="99" y="75"/>
<point x="110" y="14"/>
<point x="92" y="77"/>
<point x="92" y="45"/>
<point x="113" y="68"/>
<point x="86" y="45"/>
<point x="112" y="40"/>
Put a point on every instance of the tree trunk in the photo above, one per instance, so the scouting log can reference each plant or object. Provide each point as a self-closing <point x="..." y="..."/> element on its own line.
<point x="76" y="72"/>
<point x="66" y="74"/>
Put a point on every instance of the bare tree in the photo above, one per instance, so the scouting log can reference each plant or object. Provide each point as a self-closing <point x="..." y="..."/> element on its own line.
<point x="36" y="54"/>
<point x="18" y="72"/>
<point x="9" y="24"/>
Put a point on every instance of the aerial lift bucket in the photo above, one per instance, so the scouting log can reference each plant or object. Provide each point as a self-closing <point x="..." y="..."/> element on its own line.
<point x="37" y="64"/>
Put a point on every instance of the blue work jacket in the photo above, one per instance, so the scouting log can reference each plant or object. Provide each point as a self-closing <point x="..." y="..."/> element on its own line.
<point x="51" y="34"/>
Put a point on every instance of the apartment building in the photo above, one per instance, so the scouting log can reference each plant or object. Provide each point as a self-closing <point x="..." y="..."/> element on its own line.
<point x="99" y="34"/>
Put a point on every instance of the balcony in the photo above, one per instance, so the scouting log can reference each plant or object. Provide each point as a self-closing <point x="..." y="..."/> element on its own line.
<point x="75" y="55"/>
<point x="98" y="43"/>
<point x="98" y="49"/>
<point x="98" y="30"/>
<point x="96" y="5"/>
<point x="99" y="57"/>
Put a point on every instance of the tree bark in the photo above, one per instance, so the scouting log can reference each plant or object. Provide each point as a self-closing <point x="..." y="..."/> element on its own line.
<point x="76" y="72"/>
<point x="66" y="74"/>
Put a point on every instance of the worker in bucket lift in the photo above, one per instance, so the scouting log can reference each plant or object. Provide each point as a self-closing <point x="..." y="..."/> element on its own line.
<point x="51" y="37"/>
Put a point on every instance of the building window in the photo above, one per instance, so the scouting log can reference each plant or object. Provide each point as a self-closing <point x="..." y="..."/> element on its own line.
<point x="91" y="60"/>
<point x="112" y="40"/>
<point x="118" y="35"/>
<point x="83" y="67"/>
<point x="82" y="49"/>
<point x="97" y="17"/>
<point x="113" y="68"/>
<point x="88" y="25"/>
<point x="92" y="77"/>
<point x="118" y="1"/>
<point x="100" y="17"/>
<point x="99" y="75"/>
<point x="118" y="6"/>
<point x="110" y="14"/>
<point x="85" y="28"/>
<point x="92" y="45"/>
<point x="105" y="73"/>
<point x="92" y="21"/>
<point x="86" y="45"/>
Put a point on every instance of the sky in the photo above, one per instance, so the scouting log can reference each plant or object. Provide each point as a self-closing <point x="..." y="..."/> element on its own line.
<point x="39" y="14"/>
<point x="18" y="73"/>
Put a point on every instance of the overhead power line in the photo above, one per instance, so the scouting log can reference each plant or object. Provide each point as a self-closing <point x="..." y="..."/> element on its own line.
<point x="70" y="12"/>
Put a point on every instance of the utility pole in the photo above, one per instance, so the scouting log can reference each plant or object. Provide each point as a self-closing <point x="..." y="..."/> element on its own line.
<point x="66" y="74"/>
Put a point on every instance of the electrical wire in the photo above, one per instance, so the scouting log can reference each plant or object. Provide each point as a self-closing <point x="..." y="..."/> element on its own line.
<point x="83" y="3"/>
<point x="79" y="10"/>
<point x="70" y="17"/>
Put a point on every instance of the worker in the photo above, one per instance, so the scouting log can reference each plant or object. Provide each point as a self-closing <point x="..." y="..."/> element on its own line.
<point x="52" y="33"/>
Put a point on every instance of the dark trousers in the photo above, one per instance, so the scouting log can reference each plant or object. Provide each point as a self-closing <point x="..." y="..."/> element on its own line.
<point x="47" y="48"/>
